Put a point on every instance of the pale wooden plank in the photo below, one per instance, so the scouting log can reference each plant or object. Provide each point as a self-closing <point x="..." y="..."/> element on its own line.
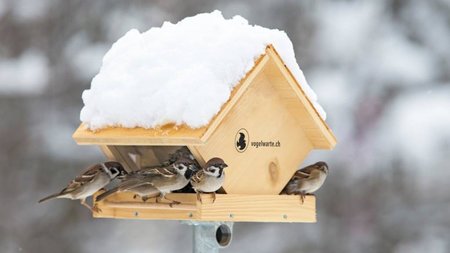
<point x="296" y="87"/>
<point x="107" y="152"/>
<point x="236" y="94"/>
<point x="123" y="158"/>
<point x="227" y="207"/>
<point x="259" y="208"/>
<point x="124" y="206"/>
<point x="166" y="135"/>
<point x="198" y="156"/>
<point x="148" y="156"/>
<point x="262" y="113"/>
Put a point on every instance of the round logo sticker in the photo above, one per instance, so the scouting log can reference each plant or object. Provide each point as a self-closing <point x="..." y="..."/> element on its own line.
<point x="241" y="141"/>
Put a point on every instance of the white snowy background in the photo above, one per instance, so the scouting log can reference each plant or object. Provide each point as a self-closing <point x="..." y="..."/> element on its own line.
<point x="381" y="70"/>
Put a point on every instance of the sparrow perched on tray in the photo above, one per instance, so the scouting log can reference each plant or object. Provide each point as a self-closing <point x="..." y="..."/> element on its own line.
<point x="307" y="180"/>
<point x="155" y="182"/>
<point x="210" y="178"/>
<point x="93" y="179"/>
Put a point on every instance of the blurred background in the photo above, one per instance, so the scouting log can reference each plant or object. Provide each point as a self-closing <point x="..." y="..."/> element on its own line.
<point x="381" y="70"/>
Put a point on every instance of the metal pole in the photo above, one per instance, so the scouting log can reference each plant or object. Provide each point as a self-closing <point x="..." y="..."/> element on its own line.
<point x="209" y="237"/>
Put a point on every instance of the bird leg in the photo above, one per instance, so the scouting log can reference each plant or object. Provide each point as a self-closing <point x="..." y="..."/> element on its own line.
<point x="302" y="197"/>
<point x="173" y="202"/>
<point x="199" y="197"/>
<point x="214" y="197"/>
<point x="92" y="209"/>
<point x="145" y="198"/>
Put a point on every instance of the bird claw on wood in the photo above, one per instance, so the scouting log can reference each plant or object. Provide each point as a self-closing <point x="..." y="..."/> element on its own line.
<point x="214" y="197"/>
<point x="96" y="209"/>
<point x="174" y="203"/>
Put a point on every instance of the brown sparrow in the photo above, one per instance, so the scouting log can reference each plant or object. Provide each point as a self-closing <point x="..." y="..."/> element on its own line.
<point x="93" y="179"/>
<point x="155" y="182"/>
<point x="307" y="180"/>
<point x="210" y="178"/>
<point x="182" y="152"/>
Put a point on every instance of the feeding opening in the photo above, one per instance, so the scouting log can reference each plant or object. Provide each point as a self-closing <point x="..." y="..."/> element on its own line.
<point x="223" y="235"/>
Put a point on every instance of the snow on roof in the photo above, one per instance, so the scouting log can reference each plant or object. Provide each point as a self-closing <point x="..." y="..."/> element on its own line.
<point x="180" y="73"/>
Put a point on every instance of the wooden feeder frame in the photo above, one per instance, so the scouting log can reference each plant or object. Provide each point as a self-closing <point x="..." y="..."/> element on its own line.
<point x="227" y="207"/>
<point x="247" y="199"/>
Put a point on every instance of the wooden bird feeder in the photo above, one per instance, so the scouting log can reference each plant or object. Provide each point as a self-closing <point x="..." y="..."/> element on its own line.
<point x="263" y="132"/>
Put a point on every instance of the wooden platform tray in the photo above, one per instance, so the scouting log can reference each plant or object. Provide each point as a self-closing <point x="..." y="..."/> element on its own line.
<point x="227" y="207"/>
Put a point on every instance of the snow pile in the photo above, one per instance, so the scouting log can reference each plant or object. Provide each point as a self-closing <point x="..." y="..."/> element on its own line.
<point x="180" y="73"/>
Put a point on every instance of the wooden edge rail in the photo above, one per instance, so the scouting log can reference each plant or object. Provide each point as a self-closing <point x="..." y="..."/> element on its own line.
<point x="152" y="205"/>
<point x="226" y="207"/>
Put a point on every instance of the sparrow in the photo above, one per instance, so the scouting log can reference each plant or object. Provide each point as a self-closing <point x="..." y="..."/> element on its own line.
<point x="307" y="180"/>
<point x="182" y="152"/>
<point x="210" y="178"/>
<point x="93" y="179"/>
<point x="155" y="182"/>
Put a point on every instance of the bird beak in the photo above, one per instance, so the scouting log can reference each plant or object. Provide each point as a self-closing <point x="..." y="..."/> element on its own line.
<point x="220" y="172"/>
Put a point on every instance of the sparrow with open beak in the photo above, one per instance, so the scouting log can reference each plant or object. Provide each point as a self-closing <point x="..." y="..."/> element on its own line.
<point x="307" y="180"/>
<point x="93" y="179"/>
<point x="155" y="182"/>
<point x="210" y="178"/>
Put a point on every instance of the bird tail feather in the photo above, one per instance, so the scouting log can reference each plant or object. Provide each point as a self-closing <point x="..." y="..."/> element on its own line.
<point x="106" y="194"/>
<point x="49" y="197"/>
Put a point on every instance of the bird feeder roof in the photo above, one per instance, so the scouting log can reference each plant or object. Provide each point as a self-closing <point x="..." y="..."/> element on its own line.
<point x="268" y="64"/>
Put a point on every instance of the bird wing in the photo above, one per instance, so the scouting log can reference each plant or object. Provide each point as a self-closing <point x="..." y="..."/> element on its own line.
<point x="86" y="177"/>
<point x="132" y="184"/>
<point x="167" y="171"/>
<point x="291" y="186"/>
<point x="198" y="177"/>
<point x="304" y="172"/>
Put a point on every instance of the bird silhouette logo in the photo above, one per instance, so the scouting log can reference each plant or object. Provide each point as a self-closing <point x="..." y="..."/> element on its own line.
<point x="241" y="140"/>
